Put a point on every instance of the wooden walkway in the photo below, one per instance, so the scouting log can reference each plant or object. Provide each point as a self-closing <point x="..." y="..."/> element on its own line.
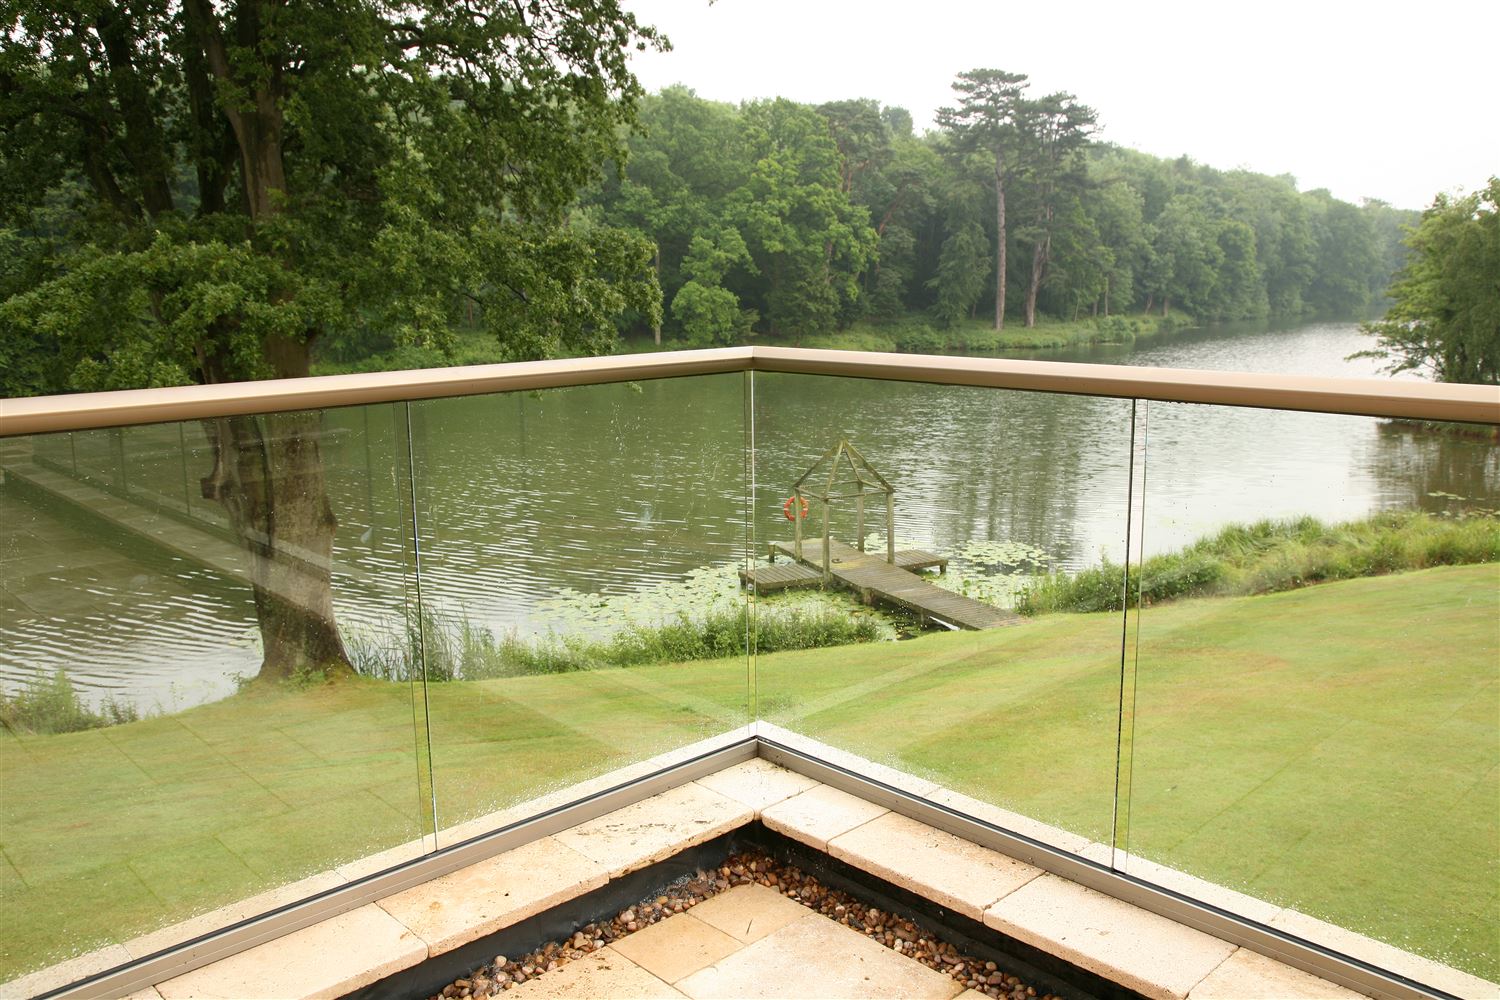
<point x="122" y="517"/>
<point x="875" y="580"/>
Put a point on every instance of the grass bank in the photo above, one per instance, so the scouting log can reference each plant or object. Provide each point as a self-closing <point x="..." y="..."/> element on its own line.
<point x="1271" y="556"/>
<point x="1286" y="745"/>
<point x="916" y="334"/>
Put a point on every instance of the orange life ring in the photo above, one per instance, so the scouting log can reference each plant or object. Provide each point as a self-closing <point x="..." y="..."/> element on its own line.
<point x="791" y="502"/>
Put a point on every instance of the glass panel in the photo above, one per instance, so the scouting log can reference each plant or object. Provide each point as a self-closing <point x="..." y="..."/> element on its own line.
<point x="1318" y="678"/>
<point x="947" y="682"/>
<point x="180" y="732"/>
<point x="579" y="557"/>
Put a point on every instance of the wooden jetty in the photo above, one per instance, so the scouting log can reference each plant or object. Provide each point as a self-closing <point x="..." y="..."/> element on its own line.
<point x="877" y="581"/>
<point x="890" y="579"/>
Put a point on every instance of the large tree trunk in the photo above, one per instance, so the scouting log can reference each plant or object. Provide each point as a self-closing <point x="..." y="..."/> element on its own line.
<point x="268" y="475"/>
<point x="1000" y="240"/>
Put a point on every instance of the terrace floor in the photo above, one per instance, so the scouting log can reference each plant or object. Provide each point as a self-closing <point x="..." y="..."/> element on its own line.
<point x="747" y="942"/>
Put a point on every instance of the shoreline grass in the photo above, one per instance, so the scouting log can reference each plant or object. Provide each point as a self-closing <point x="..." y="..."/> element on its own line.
<point x="1274" y="555"/>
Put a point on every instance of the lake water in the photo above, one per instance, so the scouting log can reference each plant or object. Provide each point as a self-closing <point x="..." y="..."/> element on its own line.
<point x="575" y="509"/>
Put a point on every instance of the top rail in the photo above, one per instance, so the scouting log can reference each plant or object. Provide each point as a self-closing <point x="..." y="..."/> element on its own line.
<point x="1363" y="397"/>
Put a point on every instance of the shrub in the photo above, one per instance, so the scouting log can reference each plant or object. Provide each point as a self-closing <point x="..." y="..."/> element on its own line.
<point x="918" y="338"/>
<point x="1270" y="556"/>
<point x="1115" y="330"/>
<point x="52" y="705"/>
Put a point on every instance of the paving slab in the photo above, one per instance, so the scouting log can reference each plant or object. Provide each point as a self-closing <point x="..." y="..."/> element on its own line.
<point x="758" y="783"/>
<point x="819" y="815"/>
<point x="326" y="960"/>
<point x="676" y="947"/>
<point x="1249" y="975"/>
<point x="950" y="871"/>
<point x="656" y="828"/>
<point x="605" y="973"/>
<point x="500" y="891"/>
<point x="816" y="957"/>
<point x="1148" y="953"/>
<point x="749" y="912"/>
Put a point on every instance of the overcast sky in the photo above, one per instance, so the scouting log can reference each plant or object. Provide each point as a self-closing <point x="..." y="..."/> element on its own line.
<point x="1373" y="99"/>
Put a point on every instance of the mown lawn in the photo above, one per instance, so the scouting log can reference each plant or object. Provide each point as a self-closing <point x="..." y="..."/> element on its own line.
<point x="1335" y="748"/>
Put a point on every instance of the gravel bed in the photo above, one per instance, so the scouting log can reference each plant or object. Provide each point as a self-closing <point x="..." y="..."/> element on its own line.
<point x="751" y="867"/>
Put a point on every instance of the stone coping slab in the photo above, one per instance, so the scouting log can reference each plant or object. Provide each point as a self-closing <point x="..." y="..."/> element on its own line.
<point x="955" y="873"/>
<point x="1150" y="954"/>
<point x="465" y="905"/>
<point x="758" y="783"/>
<point x="819" y="815"/>
<point x="1248" y="975"/>
<point x="326" y="960"/>
<point x="656" y="828"/>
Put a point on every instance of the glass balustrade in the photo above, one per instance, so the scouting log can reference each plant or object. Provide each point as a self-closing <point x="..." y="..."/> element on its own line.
<point x="581" y="606"/>
<point x="979" y="496"/>
<point x="1248" y="655"/>
<point x="1315" y="678"/>
<point x="191" y="718"/>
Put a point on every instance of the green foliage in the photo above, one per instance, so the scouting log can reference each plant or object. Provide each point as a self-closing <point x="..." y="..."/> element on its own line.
<point x="1445" y="318"/>
<point x="963" y="271"/>
<point x="52" y="705"/>
<point x="1270" y="556"/>
<point x="218" y="187"/>
<point x="710" y="315"/>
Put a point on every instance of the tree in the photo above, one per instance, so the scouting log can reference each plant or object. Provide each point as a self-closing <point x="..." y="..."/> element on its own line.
<point x="1445" y="317"/>
<point x="809" y="242"/>
<point x="247" y="178"/>
<point x="962" y="269"/>
<point x="1054" y="132"/>
<point x="990" y="106"/>
<point x="708" y="312"/>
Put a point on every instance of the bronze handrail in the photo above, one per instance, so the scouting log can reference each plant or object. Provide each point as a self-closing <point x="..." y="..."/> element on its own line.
<point x="1404" y="398"/>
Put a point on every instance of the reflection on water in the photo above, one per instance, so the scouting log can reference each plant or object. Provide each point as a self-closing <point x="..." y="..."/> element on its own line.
<point x="616" y="489"/>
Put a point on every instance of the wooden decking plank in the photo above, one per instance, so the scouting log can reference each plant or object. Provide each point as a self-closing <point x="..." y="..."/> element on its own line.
<point x="869" y="573"/>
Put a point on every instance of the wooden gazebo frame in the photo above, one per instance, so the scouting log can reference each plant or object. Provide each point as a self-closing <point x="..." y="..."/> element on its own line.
<point x="863" y="482"/>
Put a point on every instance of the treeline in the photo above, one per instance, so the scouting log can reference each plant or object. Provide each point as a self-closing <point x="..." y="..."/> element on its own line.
<point x="787" y="219"/>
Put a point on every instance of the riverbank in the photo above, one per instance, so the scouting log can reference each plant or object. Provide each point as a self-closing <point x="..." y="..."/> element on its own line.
<point x="173" y="815"/>
<point x="916" y="334"/>
<point x="919" y="335"/>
